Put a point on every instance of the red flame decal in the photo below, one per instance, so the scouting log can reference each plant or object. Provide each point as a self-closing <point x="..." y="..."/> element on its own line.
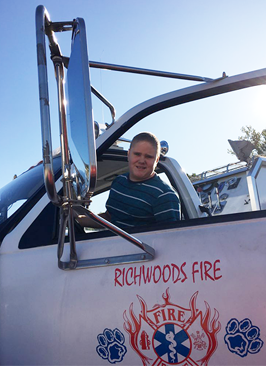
<point x="211" y="327"/>
<point x="133" y="328"/>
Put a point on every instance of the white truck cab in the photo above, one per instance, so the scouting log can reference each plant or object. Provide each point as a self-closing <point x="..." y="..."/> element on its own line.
<point x="185" y="293"/>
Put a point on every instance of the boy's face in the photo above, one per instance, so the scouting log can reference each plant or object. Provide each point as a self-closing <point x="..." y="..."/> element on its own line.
<point x="142" y="161"/>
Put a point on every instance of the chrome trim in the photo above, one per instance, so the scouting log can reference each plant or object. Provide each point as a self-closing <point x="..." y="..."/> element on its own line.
<point x="66" y="216"/>
<point x="66" y="213"/>
<point x="74" y="263"/>
<point x="59" y="75"/>
<point x="138" y="70"/>
<point x="105" y="101"/>
<point x="42" y="20"/>
<point x="149" y="251"/>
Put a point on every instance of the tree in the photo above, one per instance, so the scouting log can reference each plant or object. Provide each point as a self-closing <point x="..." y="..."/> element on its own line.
<point x="192" y="177"/>
<point x="258" y="139"/>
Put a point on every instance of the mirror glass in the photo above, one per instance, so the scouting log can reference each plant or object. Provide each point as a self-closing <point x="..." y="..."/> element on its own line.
<point x="80" y="115"/>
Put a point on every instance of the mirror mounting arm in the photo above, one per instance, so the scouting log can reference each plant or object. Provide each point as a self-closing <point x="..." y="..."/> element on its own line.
<point x="66" y="216"/>
<point x="147" y="254"/>
<point x="66" y="166"/>
<point x="106" y="102"/>
<point x="42" y="22"/>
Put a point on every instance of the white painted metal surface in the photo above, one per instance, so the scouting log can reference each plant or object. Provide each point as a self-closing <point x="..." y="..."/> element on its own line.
<point x="204" y="282"/>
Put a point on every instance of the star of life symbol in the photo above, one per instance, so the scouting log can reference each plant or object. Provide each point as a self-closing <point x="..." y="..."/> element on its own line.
<point x="169" y="334"/>
<point x="172" y="343"/>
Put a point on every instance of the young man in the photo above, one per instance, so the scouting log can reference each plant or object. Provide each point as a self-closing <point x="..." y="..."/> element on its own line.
<point x="140" y="197"/>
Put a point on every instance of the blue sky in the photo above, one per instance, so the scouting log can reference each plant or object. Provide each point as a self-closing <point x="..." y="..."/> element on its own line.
<point x="191" y="37"/>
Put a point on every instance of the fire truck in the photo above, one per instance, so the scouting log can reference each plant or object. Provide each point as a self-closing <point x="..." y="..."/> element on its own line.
<point x="190" y="292"/>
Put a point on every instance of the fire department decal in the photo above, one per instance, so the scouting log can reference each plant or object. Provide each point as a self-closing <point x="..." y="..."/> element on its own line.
<point x="169" y="334"/>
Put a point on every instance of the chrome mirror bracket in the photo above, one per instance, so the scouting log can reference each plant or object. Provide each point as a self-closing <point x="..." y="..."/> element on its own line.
<point x="87" y="169"/>
<point x="148" y="253"/>
<point x="66" y="216"/>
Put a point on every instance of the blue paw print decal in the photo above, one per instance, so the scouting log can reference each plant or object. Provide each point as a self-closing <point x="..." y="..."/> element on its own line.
<point x="242" y="337"/>
<point x="111" y="345"/>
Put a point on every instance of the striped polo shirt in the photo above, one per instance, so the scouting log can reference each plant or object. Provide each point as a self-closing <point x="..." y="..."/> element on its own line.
<point x="142" y="203"/>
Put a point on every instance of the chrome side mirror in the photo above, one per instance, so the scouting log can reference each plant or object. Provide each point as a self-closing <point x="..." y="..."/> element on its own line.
<point x="81" y="137"/>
